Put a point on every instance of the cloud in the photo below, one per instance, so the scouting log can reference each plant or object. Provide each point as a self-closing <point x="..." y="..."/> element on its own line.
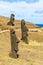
<point x="28" y="1"/>
<point x="23" y="10"/>
<point x="39" y="12"/>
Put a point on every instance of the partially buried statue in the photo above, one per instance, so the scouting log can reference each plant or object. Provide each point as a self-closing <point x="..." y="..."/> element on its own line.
<point x="14" y="44"/>
<point x="12" y="19"/>
<point x="24" y="31"/>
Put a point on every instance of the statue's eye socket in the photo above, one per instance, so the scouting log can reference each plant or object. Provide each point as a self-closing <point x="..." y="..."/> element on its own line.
<point x="13" y="32"/>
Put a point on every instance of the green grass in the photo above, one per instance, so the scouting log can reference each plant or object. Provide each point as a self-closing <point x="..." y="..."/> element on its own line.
<point x="35" y="43"/>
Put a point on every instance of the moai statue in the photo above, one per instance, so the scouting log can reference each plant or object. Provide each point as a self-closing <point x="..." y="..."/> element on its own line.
<point x="24" y="30"/>
<point x="14" y="44"/>
<point x="11" y="22"/>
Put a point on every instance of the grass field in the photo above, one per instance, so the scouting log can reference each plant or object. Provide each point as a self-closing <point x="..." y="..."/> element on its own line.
<point x="29" y="54"/>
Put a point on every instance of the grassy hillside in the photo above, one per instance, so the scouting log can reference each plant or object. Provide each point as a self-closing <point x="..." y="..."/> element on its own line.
<point x="5" y="20"/>
<point x="31" y="54"/>
<point x="35" y="32"/>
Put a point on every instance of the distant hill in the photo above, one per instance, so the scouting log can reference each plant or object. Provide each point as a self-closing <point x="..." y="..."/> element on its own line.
<point x="5" y="20"/>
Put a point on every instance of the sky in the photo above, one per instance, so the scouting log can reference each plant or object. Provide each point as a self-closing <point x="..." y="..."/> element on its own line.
<point x="30" y="10"/>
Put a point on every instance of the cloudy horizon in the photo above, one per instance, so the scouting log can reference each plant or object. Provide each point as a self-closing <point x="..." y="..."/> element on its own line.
<point x="30" y="10"/>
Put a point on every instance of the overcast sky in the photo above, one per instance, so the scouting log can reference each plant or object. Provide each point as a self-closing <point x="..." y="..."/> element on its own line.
<point x="30" y="10"/>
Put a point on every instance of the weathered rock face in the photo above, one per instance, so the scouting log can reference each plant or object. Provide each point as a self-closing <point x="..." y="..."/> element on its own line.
<point x="9" y="39"/>
<point x="11" y="22"/>
<point x="24" y="31"/>
<point x="14" y="43"/>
